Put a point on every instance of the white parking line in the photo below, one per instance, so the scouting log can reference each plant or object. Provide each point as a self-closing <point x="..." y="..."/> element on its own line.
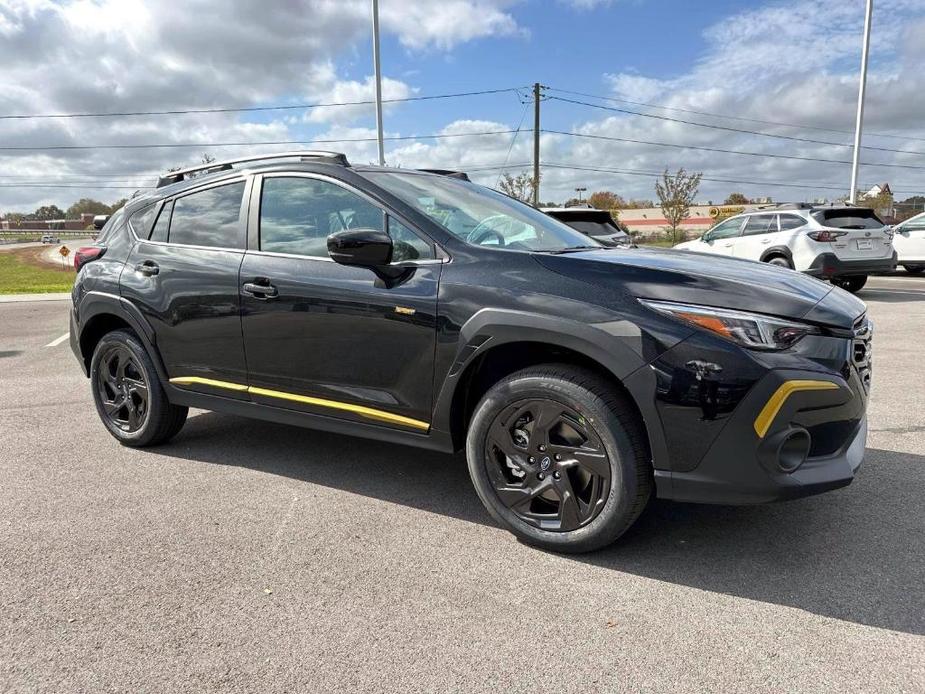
<point x="58" y="340"/>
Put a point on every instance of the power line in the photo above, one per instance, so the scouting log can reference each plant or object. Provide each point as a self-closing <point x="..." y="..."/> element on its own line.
<point x="727" y="128"/>
<point x="91" y="186"/>
<point x="255" y="109"/>
<point x="738" y="118"/>
<point x="176" y="145"/>
<point x="727" y="151"/>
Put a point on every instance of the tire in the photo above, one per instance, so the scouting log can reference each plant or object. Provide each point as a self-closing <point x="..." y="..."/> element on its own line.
<point x="779" y="261"/>
<point x="914" y="269"/>
<point x="128" y="394"/>
<point x="589" y="510"/>
<point x="853" y="284"/>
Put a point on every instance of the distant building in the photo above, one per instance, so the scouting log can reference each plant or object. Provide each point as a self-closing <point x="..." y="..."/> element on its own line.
<point x="649" y="221"/>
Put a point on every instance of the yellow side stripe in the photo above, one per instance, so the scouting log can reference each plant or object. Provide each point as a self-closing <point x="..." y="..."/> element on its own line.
<point x="198" y="381"/>
<point x="369" y="412"/>
<point x="774" y="404"/>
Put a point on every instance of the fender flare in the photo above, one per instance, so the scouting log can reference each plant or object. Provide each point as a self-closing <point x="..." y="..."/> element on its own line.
<point x="601" y="343"/>
<point x="777" y="250"/>
<point x="95" y="303"/>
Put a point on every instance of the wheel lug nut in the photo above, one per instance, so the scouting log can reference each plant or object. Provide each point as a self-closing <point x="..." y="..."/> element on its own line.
<point x="558" y="457"/>
<point x="542" y="448"/>
<point x="541" y="476"/>
<point x="532" y="459"/>
<point x="556" y="475"/>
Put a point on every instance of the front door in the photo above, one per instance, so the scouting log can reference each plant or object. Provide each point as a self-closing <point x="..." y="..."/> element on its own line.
<point x="722" y="238"/>
<point x="758" y="234"/>
<point x="329" y="339"/>
<point x="183" y="276"/>
<point x="909" y="241"/>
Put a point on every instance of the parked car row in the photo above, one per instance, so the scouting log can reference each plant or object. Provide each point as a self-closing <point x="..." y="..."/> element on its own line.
<point x="843" y="244"/>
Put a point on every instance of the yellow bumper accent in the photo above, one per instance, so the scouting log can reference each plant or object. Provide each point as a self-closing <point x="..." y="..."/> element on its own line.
<point x="766" y="417"/>
<point x="369" y="412"/>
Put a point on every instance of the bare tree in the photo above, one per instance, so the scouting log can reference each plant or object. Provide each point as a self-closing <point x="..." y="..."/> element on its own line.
<point x="675" y="195"/>
<point x="520" y="186"/>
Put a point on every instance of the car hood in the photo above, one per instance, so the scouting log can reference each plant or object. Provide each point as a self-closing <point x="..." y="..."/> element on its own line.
<point x="709" y="280"/>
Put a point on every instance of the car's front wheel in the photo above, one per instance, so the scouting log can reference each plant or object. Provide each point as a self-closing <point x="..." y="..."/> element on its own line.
<point x="852" y="284"/>
<point x="779" y="261"/>
<point x="559" y="457"/>
<point x="128" y="394"/>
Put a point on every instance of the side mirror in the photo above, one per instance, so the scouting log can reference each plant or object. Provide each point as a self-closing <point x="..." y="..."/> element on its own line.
<point x="707" y="238"/>
<point x="99" y="221"/>
<point x="362" y="247"/>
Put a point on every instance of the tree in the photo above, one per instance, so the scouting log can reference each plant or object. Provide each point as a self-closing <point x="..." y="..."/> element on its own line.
<point x="675" y="194"/>
<point x="48" y="212"/>
<point x="606" y="200"/>
<point x="520" y="186"/>
<point x="736" y="199"/>
<point x="117" y="205"/>
<point x="87" y="206"/>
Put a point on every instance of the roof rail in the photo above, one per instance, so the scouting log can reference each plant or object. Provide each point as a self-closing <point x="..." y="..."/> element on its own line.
<point x="177" y="176"/>
<point x="462" y="175"/>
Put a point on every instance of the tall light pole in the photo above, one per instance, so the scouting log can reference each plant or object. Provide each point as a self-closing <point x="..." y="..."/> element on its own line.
<point x="378" y="70"/>
<point x="580" y="191"/>
<point x="855" y="160"/>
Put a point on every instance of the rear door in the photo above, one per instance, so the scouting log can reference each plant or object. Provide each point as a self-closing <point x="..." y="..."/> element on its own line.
<point x="183" y="276"/>
<point x="758" y="234"/>
<point x="325" y="338"/>
<point x="863" y="236"/>
<point x="909" y="240"/>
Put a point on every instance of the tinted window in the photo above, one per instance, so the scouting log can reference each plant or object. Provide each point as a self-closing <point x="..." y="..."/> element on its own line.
<point x="141" y="221"/>
<point x="759" y="224"/>
<point x="859" y="218"/>
<point x="406" y="244"/>
<point x="791" y="221"/>
<point x="298" y="214"/>
<point x="159" y="232"/>
<point x="209" y="218"/>
<point x="724" y="230"/>
<point x="109" y="227"/>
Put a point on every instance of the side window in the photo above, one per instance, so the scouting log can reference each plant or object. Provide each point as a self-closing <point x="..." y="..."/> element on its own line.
<point x="791" y="221"/>
<point x="407" y="245"/>
<point x="159" y="232"/>
<point x="727" y="229"/>
<point x="209" y="218"/>
<point x="141" y="221"/>
<point x="759" y="224"/>
<point x="298" y="214"/>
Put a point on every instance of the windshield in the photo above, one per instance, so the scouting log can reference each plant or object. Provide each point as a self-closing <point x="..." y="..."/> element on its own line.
<point x="479" y="215"/>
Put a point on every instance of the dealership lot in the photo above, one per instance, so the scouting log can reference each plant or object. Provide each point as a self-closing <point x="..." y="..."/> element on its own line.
<point x="248" y="556"/>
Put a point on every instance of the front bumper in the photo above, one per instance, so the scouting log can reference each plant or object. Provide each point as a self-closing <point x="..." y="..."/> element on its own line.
<point x="745" y="465"/>
<point x="828" y="265"/>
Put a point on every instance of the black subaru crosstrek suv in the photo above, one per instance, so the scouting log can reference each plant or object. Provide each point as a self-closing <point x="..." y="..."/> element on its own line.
<point x="420" y="308"/>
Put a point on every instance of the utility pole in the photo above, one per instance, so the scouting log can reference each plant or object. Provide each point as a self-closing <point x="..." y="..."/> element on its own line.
<point x="855" y="160"/>
<point x="536" y="143"/>
<point x="580" y="190"/>
<point x="378" y="70"/>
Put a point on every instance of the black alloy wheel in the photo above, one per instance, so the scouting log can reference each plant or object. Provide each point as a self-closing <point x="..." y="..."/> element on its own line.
<point x="547" y="464"/>
<point x="559" y="457"/>
<point x="128" y="394"/>
<point x="123" y="389"/>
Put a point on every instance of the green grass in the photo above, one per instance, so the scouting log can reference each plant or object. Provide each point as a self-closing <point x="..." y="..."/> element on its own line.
<point x="661" y="243"/>
<point x="18" y="276"/>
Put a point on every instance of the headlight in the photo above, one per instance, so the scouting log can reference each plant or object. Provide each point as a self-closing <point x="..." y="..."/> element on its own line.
<point x="748" y="329"/>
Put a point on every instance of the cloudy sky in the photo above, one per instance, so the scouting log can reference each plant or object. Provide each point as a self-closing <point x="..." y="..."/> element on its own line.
<point x="651" y="75"/>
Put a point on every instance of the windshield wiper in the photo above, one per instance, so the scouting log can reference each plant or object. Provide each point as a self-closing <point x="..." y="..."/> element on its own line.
<point x="571" y="249"/>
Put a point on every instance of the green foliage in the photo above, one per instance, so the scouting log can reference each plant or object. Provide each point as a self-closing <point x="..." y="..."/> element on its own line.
<point x="20" y="277"/>
<point x="736" y="199"/>
<point x="676" y="193"/>
<point x="87" y="206"/>
<point x="520" y="186"/>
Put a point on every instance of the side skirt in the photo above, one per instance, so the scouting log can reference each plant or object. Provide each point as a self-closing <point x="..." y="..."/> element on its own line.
<point x="434" y="440"/>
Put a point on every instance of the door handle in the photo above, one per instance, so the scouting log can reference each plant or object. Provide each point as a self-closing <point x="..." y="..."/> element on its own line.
<point x="765" y="240"/>
<point x="147" y="268"/>
<point x="260" y="291"/>
<point x="727" y="245"/>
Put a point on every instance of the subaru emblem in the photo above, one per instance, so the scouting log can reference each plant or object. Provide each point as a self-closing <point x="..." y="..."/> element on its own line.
<point x="545" y="463"/>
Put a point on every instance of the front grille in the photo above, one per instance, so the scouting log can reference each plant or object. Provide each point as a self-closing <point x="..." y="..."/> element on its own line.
<point x="861" y="345"/>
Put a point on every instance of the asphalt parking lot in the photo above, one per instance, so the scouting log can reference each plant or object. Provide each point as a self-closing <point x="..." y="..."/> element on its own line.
<point x="246" y="556"/>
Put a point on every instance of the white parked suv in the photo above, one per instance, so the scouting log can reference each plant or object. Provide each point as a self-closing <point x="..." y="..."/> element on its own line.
<point x="840" y="244"/>
<point x="909" y="242"/>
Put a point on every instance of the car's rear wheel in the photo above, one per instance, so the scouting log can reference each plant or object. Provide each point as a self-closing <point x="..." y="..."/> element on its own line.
<point x="852" y="284"/>
<point x="914" y="269"/>
<point x="559" y="457"/>
<point x="128" y="394"/>
<point x="779" y="261"/>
